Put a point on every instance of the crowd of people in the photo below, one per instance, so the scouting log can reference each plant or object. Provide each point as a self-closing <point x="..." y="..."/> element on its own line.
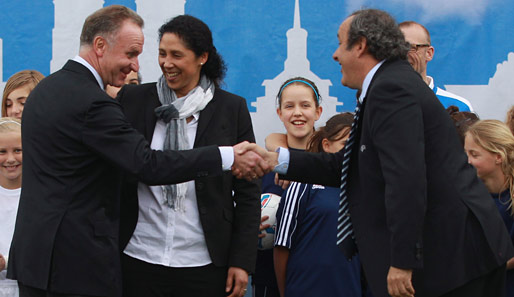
<point x="153" y="189"/>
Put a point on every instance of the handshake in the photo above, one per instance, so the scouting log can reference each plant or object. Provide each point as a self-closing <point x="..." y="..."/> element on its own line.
<point x="252" y="161"/>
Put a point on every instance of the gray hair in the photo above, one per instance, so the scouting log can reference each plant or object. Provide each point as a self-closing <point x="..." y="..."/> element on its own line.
<point x="106" y="22"/>
<point x="383" y="36"/>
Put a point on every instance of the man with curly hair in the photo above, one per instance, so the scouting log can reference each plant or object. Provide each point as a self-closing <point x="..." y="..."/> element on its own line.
<point x="422" y="222"/>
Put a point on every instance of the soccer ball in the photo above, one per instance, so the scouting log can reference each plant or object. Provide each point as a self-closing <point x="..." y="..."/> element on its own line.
<point x="269" y="206"/>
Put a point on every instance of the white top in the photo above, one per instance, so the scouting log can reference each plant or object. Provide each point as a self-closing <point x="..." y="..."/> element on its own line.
<point x="164" y="236"/>
<point x="9" y="200"/>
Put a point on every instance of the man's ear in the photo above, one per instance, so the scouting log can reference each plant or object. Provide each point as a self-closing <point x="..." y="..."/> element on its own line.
<point x="100" y="45"/>
<point x="361" y="46"/>
<point x="430" y="53"/>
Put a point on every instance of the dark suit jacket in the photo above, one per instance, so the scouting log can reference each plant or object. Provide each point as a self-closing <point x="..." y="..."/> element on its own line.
<point x="415" y="202"/>
<point x="76" y="144"/>
<point x="230" y="231"/>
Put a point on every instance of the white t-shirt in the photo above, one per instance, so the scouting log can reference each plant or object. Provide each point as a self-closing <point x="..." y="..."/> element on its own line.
<point x="9" y="200"/>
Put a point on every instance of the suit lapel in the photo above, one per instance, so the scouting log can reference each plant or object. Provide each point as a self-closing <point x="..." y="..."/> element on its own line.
<point x="205" y="117"/>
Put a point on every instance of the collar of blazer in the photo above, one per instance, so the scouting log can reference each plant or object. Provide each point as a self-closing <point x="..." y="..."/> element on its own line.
<point x="80" y="69"/>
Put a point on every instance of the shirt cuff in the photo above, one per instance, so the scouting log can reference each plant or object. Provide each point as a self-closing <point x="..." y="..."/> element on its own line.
<point x="227" y="157"/>
<point x="283" y="161"/>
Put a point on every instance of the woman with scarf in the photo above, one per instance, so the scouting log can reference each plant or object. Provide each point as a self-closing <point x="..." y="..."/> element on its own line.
<point x="196" y="238"/>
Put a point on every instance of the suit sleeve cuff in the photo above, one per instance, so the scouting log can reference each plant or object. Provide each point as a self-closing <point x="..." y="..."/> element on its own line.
<point x="227" y="157"/>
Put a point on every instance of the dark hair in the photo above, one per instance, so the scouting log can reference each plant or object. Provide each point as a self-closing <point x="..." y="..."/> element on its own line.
<point x="107" y="21"/>
<point x="383" y="37"/>
<point x="462" y="120"/>
<point x="301" y="81"/>
<point x="197" y="37"/>
<point x="407" y="24"/>
<point x="332" y="128"/>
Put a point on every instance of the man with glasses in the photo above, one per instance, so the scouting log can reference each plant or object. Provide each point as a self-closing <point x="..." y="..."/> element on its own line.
<point x="420" y="54"/>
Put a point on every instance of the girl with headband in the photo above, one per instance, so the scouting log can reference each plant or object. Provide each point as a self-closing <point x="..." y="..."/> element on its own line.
<point x="307" y="260"/>
<point x="10" y="189"/>
<point x="298" y="107"/>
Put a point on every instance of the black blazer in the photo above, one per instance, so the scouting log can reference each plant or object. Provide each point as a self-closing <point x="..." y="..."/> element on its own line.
<point x="229" y="208"/>
<point x="415" y="202"/>
<point x="76" y="144"/>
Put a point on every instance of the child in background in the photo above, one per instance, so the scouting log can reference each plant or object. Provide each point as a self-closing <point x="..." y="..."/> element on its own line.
<point x="489" y="145"/>
<point x="17" y="89"/>
<point x="298" y="108"/>
<point x="308" y="261"/>
<point x="10" y="189"/>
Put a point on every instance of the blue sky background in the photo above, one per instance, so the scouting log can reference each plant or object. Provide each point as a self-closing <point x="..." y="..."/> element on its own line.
<point x="469" y="40"/>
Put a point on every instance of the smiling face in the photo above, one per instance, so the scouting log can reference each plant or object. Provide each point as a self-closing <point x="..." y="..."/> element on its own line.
<point x="10" y="160"/>
<point x="180" y="65"/>
<point x="117" y="58"/>
<point x="348" y="58"/>
<point x="15" y="101"/>
<point x="487" y="164"/>
<point x="298" y="112"/>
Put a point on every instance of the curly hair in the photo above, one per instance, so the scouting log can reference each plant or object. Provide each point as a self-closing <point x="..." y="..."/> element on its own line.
<point x="198" y="38"/>
<point x="383" y="36"/>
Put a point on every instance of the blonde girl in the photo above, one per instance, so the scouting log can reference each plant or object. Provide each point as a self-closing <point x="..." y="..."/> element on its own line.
<point x="10" y="189"/>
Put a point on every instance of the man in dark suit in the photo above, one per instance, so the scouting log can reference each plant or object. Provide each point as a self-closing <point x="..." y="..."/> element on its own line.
<point x="424" y="224"/>
<point x="76" y="144"/>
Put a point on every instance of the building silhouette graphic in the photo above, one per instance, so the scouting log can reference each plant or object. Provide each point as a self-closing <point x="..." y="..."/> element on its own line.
<point x="265" y="120"/>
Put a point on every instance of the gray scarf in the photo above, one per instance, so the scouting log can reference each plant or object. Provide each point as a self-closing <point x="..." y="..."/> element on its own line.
<point x="174" y="112"/>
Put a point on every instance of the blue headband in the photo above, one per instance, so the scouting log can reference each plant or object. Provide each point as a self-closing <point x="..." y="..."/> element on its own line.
<point x="301" y="81"/>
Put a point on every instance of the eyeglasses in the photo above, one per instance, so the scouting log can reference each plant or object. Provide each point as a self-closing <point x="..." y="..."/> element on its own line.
<point x="415" y="47"/>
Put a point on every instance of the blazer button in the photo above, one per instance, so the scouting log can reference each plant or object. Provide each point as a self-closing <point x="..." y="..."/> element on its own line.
<point x="200" y="186"/>
<point x="202" y="210"/>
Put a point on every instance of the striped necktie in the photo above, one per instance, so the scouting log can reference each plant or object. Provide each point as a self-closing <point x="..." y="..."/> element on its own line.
<point x="345" y="236"/>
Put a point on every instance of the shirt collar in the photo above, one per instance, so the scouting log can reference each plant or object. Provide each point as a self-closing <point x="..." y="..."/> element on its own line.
<point x="81" y="60"/>
<point x="431" y="84"/>
<point x="367" y="80"/>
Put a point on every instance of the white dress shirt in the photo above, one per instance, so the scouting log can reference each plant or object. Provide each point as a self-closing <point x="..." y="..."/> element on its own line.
<point x="164" y="236"/>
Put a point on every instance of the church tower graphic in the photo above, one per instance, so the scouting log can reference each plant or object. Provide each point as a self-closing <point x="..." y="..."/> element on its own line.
<point x="265" y="120"/>
<point x="69" y="17"/>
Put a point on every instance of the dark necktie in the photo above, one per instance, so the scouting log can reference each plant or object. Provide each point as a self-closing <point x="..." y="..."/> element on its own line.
<point x="345" y="236"/>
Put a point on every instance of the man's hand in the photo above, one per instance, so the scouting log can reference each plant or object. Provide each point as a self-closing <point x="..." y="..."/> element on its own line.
<point x="399" y="282"/>
<point x="263" y="226"/>
<point x="3" y="263"/>
<point x="252" y="161"/>
<point x="237" y="279"/>
<point x="415" y="61"/>
<point x="281" y="182"/>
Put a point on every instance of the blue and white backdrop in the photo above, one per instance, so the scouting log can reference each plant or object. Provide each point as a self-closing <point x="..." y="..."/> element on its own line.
<point x="268" y="41"/>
